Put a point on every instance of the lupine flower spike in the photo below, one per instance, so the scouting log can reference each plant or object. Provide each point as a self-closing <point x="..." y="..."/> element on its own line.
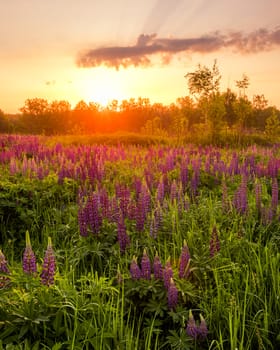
<point x="167" y="273"/>
<point x="192" y="329"/>
<point x="47" y="275"/>
<point x="172" y="295"/>
<point x="135" y="271"/>
<point x="3" y="264"/>
<point x="184" y="261"/>
<point x="29" y="260"/>
<point x="146" y="266"/>
<point x="214" y="242"/>
<point x="203" y="330"/>
<point x="4" y="280"/>
<point x="157" y="267"/>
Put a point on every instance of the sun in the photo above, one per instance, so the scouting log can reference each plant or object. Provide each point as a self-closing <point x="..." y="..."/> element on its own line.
<point x="103" y="87"/>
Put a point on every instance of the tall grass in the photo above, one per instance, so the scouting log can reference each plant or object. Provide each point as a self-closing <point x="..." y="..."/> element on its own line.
<point x="95" y="303"/>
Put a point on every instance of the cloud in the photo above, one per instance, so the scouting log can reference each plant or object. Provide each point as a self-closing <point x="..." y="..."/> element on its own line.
<point x="148" y="45"/>
<point x="50" y="82"/>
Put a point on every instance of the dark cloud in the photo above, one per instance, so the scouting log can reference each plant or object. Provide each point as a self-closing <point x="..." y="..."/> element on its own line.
<point x="148" y="45"/>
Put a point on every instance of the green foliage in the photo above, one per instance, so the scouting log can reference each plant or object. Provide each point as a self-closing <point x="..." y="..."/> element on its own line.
<point x="95" y="304"/>
<point x="272" y="127"/>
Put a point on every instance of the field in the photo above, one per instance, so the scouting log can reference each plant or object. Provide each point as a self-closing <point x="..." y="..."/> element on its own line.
<point x="130" y="247"/>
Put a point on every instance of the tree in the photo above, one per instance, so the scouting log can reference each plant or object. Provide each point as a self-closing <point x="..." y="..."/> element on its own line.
<point x="259" y="102"/>
<point x="4" y="124"/>
<point x="242" y="85"/>
<point x="35" y="115"/>
<point x="243" y="109"/>
<point x="272" y="127"/>
<point x="59" y="116"/>
<point x="204" y="81"/>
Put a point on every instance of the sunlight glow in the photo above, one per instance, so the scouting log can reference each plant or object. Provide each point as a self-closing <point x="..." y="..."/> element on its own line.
<point x="101" y="86"/>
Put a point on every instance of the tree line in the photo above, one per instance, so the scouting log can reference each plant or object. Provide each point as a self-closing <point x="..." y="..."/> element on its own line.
<point x="207" y="110"/>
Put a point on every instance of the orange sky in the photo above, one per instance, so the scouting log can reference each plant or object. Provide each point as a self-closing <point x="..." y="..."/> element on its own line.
<point x="102" y="50"/>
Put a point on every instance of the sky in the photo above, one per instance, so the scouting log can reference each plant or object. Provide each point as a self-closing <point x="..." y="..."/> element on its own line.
<point x="119" y="49"/>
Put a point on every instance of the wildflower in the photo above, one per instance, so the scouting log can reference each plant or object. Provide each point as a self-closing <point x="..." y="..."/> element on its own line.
<point x="258" y="194"/>
<point x="160" y="191"/>
<point x="172" y="294"/>
<point x="173" y="191"/>
<point x="184" y="261"/>
<point x="29" y="260"/>
<point x="93" y="213"/>
<point x="203" y="330"/>
<point x="241" y="197"/>
<point x="4" y="280"/>
<point x="82" y="220"/>
<point x="274" y="195"/>
<point x="225" y="200"/>
<point x="157" y="267"/>
<point x="119" y="277"/>
<point x="3" y="264"/>
<point x="167" y="274"/>
<point x="156" y="221"/>
<point x="146" y="266"/>
<point x="214" y="242"/>
<point x="123" y="238"/>
<point x="192" y="329"/>
<point x="135" y="271"/>
<point x="47" y="275"/>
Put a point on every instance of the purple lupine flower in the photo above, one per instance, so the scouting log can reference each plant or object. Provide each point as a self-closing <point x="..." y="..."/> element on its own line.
<point x="203" y="330"/>
<point x="135" y="271"/>
<point x="93" y="213"/>
<point x="258" y="195"/>
<point x="48" y="271"/>
<point x="167" y="273"/>
<point x="172" y="295"/>
<point x="146" y="266"/>
<point x="82" y="220"/>
<point x="274" y="195"/>
<point x="156" y="221"/>
<point x="123" y="237"/>
<point x="142" y="207"/>
<point x="184" y="175"/>
<point x="29" y="259"/>
<point x="240" y="198"/>
<point x="123" y="194"/>
<point x="225" y="201"/>
<point x="214" y="242"/>
<point x="160" y="191"/>
<point x="267" y="215"/>
<point x="157" y="267"/>
<point x="192" y="329"/>
<point x="184" y="261"/>
<point x="3" y="264"/>
<point x="4" y="280"/>
<point x="131" y="209"/>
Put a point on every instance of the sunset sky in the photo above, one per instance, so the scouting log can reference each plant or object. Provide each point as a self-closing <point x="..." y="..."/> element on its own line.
<point x="103" y="50"/>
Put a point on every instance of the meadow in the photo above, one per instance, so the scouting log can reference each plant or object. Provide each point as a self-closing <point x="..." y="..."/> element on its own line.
<point x="138" y="246"/>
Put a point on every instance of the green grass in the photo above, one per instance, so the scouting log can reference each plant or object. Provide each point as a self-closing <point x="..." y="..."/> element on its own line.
<point x="95" y="304"/>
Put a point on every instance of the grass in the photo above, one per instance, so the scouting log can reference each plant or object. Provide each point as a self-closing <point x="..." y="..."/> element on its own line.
<point x="94" y="303"/>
